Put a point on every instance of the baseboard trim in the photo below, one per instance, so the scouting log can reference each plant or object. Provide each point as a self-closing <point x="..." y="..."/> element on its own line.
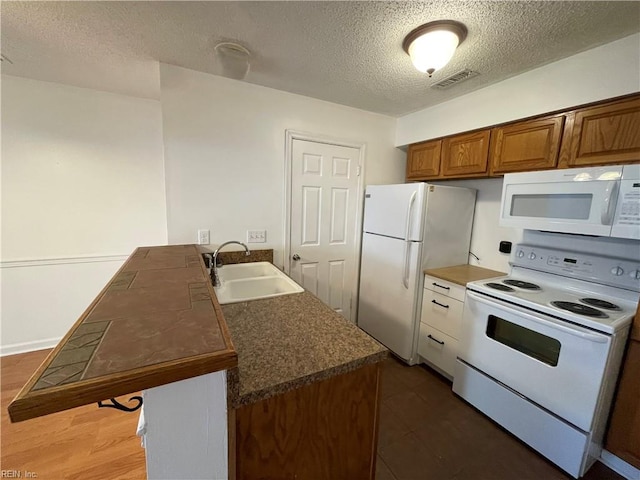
<point x="39" y="262"/>
<point x="619" y="466"/>
<point x="16" y="348"/>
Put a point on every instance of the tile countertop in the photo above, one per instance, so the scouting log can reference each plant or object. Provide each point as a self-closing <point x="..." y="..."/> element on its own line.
<point x="463" y="274"/>
<point x="156" y="322"/>
<point x="289" y="341"/>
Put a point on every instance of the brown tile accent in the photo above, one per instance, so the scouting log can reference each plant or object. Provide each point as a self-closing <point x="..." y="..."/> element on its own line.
<point x="73" y="358"/>
<point x="122" y="281"/>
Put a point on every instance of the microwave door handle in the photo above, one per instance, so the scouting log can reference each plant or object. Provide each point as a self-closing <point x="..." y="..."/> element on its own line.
<point x="407" y="249"/>
<point x="609" y="203"/>
<point x="549" y="322"/>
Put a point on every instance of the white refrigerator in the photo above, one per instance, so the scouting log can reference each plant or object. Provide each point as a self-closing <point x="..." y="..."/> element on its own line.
<point x="407" y="228"/>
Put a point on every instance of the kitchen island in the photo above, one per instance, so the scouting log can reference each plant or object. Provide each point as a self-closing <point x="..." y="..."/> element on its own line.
<point x="284" y="383"/>
<point x="305" y="393"/>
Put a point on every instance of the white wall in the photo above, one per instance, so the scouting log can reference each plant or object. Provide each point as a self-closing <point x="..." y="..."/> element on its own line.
<point x="603" y="72"/>
<point x="82" y="178"/>
<point x="225" y="152"/>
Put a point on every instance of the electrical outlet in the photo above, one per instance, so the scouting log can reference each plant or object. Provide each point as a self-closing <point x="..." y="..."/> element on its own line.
<point x="256" y="236"/>
<point x="203" y="237"/>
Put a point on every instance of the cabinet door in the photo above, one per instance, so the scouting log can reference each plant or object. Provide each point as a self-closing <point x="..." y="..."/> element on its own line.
<point x="526" y="146"/>
<point x="608" y="134"/>
<point x="465" y="155"/>
<point x="423" y="160"/>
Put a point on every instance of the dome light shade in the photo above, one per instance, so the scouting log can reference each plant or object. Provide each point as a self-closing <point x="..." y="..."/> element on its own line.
<point x="432" y="45"/>
<point x="232" y="60"/>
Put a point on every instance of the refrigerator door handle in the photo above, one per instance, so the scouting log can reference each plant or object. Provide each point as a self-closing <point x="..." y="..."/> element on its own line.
<point x="407" y="249"/>
<point x="407" y="229"/>
<point x="405" y="270"/>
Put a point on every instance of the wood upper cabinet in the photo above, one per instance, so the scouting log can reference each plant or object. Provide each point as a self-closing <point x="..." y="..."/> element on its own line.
<point x="423" y="160"/>
<point x="601" y="135"/>
<point x="465" y="155"/>
<point x="526" y="146"/>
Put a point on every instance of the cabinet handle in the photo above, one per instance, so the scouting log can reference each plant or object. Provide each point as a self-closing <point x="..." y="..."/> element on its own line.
<point x="441" y="304"/>
<point x="441" y="286"/>
<point x="435" y="339"/>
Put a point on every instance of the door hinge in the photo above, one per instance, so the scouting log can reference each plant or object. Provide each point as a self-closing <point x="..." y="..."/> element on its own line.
<point x="358" y="171"/>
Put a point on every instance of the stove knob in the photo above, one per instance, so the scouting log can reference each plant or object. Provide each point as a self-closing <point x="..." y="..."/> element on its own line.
<point x="532" y="256"/>
<point x="617" y="271"/>
<point x="520" y="254"/>
<point x="635" y="274"/>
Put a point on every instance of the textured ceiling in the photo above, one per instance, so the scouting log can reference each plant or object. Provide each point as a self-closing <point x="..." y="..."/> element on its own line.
<point x="344" y="52"/>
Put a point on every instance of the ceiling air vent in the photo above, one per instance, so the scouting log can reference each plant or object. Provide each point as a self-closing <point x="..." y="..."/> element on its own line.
<point x="454" y="79"/>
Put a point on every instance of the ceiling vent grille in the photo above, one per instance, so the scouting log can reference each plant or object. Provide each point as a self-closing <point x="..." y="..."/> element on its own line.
<point x="454" y="79"/>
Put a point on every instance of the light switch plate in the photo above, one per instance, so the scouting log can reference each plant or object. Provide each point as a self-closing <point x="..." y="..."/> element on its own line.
<point x="203" y="237"/>
<point x="256" y="236"/>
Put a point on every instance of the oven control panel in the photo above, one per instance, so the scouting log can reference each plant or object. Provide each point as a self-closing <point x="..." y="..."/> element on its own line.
<point x="607" y="270"/>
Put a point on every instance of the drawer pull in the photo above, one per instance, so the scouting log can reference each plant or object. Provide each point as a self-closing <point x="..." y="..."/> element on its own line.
<point x="441" y="304"/>
<point x="435" y="339"/>
<point x="440" y="286"/>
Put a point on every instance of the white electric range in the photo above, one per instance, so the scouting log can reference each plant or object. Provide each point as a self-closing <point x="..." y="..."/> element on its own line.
<point x="541" y="348"/>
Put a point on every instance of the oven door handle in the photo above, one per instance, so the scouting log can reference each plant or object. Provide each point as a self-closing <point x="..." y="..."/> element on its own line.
<point x="548" y="321"/>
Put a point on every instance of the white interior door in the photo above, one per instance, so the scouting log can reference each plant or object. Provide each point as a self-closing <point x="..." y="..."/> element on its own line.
<point x="324" y="201"/>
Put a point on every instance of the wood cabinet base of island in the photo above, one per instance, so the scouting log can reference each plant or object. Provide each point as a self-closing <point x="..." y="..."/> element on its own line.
<point x="325" y="430"/>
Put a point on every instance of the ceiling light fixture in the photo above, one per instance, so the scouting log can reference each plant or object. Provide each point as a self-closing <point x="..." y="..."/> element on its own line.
<point x="432" y="45"/>
<point x="232" y="60"/>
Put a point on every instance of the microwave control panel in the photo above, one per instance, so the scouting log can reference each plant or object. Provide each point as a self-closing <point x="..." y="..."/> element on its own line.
<point x="607" y="270"/>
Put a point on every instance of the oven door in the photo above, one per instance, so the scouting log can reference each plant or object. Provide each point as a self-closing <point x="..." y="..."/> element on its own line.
<point x="555" y="364"/>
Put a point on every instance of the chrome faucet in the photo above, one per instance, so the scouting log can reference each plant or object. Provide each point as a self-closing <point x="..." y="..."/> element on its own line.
<point x="213" y="264"/>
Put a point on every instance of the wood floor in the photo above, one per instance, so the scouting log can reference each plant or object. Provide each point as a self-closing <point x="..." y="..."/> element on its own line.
<point x="82" y="443"/>
<point x="426" y="432"/>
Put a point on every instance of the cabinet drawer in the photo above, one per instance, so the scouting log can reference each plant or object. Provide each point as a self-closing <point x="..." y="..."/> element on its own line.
<point x="443" y="287"/>
<point x="442" y="312"/>
<point x="438" y="349"/>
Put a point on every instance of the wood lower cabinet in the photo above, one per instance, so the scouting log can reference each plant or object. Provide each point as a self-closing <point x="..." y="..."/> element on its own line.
<point x="623" y="436"/>
<point x="465" y="155"/>
<point x="326" y="430"/>
<point x="526" y="146"/>
<point x="601" y="135"/>
<point x="423" y="160"/>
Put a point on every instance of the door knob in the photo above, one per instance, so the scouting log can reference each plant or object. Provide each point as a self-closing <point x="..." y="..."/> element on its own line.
<point x="296" y="257"/>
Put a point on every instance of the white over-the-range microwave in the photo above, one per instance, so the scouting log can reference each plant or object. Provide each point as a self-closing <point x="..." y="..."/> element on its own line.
<point x="602" y="201"/>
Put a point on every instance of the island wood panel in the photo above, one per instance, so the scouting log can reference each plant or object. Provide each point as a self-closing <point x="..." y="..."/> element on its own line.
<point x="601" y="135"/>
<point x="623" y="436"/>
<point x="33" y="402"/>
<point x="466" y="155"/>
<point x="327" y="430"/>
<point x="526" y="146"/>
<point x="423" y="160"/>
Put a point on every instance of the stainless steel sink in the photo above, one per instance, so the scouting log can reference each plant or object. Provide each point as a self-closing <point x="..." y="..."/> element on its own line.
<point x="252" y="281"/>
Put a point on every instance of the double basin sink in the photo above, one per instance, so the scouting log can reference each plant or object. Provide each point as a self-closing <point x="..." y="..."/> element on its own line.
<point x="252" y="281"/>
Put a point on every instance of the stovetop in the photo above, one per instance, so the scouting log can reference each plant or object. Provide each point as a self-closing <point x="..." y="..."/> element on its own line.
<point x="599" y="307"/>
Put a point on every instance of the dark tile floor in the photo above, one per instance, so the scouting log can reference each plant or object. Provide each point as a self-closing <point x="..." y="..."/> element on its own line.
<point x="427" y="432"/>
